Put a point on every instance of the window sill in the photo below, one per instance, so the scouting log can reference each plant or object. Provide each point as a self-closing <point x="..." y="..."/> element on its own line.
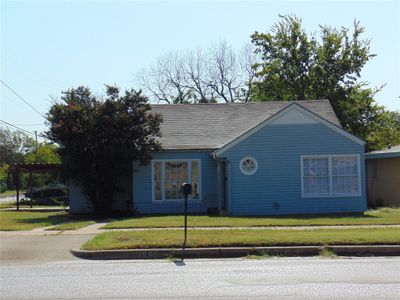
<point x="331" y="196"/>
<point x="177" y="201"/>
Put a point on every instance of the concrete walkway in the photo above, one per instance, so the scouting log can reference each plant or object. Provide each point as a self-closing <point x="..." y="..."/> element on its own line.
<point x="8" y="199"/>
<point x="25" y="207"/>
<point x="39" y="249"/>
<point x="96" y="228"/>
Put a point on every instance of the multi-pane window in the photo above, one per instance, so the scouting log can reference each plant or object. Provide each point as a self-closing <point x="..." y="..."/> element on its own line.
<point x="168" y="177"/>
<point x="344" y="175"/>
<point x="316" y="176"/>
<point x="330" y="176"/>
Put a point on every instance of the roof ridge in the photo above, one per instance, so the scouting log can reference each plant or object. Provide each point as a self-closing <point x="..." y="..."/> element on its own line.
<point x="239" y="103"/>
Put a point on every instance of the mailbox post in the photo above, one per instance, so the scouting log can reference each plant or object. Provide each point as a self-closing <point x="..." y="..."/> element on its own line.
<point x="186" y="189"/>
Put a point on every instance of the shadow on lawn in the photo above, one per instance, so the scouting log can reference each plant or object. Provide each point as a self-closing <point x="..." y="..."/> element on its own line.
<point x="59" y="218"/>
<point x="53" y="220"/>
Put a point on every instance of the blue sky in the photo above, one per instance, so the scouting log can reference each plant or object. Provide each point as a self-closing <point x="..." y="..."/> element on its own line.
<point x="51" y="46"/>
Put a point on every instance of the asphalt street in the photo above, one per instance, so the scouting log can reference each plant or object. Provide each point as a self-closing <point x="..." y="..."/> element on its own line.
<point x="277" y="278"/>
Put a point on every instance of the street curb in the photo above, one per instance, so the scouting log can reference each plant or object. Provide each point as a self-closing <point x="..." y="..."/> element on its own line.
<point x="230" y="252"/>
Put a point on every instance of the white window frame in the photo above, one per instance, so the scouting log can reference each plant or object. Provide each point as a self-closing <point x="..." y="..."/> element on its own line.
<point x="163" y="161"/>
<point x="331" y="193"/>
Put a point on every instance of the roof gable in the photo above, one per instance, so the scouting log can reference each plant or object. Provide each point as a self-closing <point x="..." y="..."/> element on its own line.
<point x="211" y="126"/>
<point x="283" y="117"/>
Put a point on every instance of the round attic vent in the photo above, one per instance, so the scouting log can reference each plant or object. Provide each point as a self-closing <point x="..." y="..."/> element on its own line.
<point x="248" y="165"/>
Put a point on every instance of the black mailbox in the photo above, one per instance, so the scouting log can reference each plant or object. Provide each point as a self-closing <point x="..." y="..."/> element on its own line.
<point x="186" y="188"/>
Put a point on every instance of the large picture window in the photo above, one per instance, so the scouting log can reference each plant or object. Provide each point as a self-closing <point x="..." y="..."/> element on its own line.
<point x="333" y="175"/>
<point x="168" y="177"/>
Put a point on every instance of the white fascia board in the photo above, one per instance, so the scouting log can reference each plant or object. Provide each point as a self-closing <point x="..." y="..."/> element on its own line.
<point x="279" y="114"/>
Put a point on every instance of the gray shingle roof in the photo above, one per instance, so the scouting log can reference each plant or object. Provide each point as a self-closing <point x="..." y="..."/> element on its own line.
<point x="210" y="126"/>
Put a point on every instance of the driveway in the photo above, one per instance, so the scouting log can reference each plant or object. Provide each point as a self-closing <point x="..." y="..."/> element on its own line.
<point x="39" y="249"/>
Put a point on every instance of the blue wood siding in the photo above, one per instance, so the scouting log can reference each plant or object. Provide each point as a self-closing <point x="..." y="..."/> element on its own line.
<point x="276" y="186"/>
<point x="142" y="186"/>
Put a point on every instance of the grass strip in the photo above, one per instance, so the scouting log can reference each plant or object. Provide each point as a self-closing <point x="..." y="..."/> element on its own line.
<point x="241" y="238"/>
<point x="72" y="225"/>
<point x="7" y="204"/>
<point x="28" y="220"/>
<point x="384" y="216"/>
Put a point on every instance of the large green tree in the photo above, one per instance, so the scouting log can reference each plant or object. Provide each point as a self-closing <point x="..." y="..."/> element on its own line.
<point x="297" y="66"/>
<point x="100" y="137"/>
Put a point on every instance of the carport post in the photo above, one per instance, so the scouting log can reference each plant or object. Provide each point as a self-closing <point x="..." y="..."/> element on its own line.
<point x="17" y="177"/>
<point x="30" y="191"/>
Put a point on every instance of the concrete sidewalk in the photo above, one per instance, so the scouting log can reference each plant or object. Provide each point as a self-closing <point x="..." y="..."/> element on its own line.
<point x="96" y="228"/>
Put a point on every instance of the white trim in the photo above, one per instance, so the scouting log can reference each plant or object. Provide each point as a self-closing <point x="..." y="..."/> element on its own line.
<point x="245" y="172"/>
<point x="293" y="117"/>
<point x="288" y="108"/>
<point x="133" y="185"/>
<point x="331" y="192"/>
<point x="163" y="161"/>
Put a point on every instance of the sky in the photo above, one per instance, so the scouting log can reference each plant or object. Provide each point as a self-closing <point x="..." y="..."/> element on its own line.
<point x="50" y="46"/>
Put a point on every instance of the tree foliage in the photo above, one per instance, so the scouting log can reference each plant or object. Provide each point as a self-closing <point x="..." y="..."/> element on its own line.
<point x="14" y="145"/>
<point x="45" y="153"/>
<point x="99" y="138"/>
<point x="4" y="172"/>
<point x="219" y="74"/>
<point x="298" y="66"/>
<point x="295" y="65"/>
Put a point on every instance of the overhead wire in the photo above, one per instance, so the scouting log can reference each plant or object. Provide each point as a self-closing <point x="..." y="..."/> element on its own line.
<point x="16" y="127"/>
<point x="38" y="124"/>
<point x="20" y="97"/>
<point x="13" y="126"/>
<point x="36" y="75"/>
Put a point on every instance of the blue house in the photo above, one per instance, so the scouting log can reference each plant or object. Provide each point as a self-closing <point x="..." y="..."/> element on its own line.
<point x="269" y="158"/>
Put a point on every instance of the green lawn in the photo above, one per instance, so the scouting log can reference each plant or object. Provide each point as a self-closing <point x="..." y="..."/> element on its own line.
<point x="74" y="225"/>
<point x="28" y="220"/>
<point x="7" y="204"/>
<point x="247" y="237"/>
<point x="382" y="216"/>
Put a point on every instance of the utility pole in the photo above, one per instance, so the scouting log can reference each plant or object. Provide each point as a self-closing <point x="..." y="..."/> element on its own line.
<point x="36" y="139"/>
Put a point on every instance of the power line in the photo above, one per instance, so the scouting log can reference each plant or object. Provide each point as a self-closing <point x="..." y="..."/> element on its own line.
<point x="35" y="133"/>
<point x="20" y="97"/>
<point x="36" y="74"/>
<point x="16" y="127"/>
<point x="24" y="130"/>
<point x="38" y="124"/>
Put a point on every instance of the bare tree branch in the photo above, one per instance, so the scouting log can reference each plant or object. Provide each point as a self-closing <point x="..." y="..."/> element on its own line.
<point x="218" y="74"/>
